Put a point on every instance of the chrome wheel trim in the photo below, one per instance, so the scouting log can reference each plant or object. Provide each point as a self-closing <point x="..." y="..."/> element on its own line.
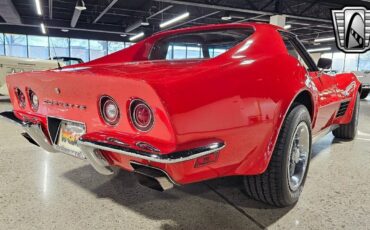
<point x="298" y="156"/>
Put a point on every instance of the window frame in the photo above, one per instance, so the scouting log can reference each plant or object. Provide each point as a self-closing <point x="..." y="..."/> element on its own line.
<point x="301" y="50"/>
<point x="202" y="47"/>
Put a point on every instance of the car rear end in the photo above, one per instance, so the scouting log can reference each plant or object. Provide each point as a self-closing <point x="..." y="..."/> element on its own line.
<point x="105" y="117"/>
<point x="135" y="109"/>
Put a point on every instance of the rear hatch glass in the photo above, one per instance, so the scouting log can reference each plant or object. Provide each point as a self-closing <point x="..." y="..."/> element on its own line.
<point x="198" y="45"/>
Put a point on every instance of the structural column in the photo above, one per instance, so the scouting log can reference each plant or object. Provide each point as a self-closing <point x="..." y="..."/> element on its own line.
<point x="278" y="20"/>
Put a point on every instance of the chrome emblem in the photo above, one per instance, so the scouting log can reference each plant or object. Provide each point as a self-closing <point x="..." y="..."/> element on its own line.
<point x="352" y="29"/>
<point x="64" y="104"/>
<point x="57" y="91"/>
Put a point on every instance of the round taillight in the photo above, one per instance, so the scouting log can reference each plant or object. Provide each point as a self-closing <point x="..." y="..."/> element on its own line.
<point x="34" y="99"/>
<point x="109" y="110"/>
<point x="141" y="115"/>
<point x="20" y="97"/>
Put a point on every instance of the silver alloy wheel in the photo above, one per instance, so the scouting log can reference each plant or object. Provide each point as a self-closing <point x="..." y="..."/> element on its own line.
<point x="298" y="157"/>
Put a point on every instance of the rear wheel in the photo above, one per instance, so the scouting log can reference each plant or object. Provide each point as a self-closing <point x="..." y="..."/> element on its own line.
<point x="282" y="183"/>
<point x="349" y="131"/>
<point x="364" y="94"/>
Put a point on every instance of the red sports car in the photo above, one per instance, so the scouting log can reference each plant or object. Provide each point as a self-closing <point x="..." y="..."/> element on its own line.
<point x="192" y="104"/>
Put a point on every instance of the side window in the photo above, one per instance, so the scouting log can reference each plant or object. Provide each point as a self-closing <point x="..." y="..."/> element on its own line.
<point x="292" y="50"/>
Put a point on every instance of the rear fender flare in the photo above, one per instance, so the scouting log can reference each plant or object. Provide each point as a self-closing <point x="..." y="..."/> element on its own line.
<point x="285" y="108"/>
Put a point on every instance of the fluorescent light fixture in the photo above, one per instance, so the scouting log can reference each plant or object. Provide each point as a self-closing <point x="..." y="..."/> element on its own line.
<point x="319" y="49"/>
<point x="226" y="18"/>
<point x="43" y="30"/>
<point x="174" y="20"/>
<point x="80" y="5"/>
<point x="287" y="27"/>
<point x="324" y="39"/>
<point x="146" y="23"/>
<point x="123" y="35"/>
<point x="38" y="7"/>
<point x="133" y="26"/>
<point x="65" y="30"/>
<point x="137" y="36"/>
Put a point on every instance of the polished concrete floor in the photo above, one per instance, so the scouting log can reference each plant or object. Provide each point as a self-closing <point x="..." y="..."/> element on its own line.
<point x="40" y="190"/>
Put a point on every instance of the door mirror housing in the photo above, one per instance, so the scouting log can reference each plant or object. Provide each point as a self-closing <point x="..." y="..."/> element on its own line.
<point x="324" y="63"/>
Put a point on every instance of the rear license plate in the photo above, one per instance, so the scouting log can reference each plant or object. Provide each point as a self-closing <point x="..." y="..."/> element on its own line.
<point x="69" y="133"/>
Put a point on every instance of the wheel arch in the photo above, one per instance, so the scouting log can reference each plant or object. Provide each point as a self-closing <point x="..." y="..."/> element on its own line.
<point x="305" y="98"/>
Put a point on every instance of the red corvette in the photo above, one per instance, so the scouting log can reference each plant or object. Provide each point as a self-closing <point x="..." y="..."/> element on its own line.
<point x="249" y="102"/>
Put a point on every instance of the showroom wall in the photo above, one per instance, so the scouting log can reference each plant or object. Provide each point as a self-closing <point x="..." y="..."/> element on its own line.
<point x="349" y="62"/>
<point x="43" y="47"/>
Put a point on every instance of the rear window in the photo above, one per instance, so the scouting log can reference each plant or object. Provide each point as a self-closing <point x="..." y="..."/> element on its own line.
<point x="198" y="45"/>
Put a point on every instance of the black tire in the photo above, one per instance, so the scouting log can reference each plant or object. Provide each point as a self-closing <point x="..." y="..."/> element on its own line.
<point x="349" y="131"/>
<point x="272" y="187"/>
<point x="364" y="94"/>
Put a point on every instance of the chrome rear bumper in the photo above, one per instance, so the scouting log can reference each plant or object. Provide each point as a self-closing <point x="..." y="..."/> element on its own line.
<point x="33" y="130"/>
<point x="92" y="149"/>
<point x="170" y="158"/>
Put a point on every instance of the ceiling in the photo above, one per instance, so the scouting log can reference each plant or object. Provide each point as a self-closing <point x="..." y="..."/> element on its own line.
<point x="109" y="19"/>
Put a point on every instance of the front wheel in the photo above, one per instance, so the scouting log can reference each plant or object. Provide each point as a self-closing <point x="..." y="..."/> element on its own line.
<point x="282" y="183"/>
<point x="364" y="94"/>
<point x="349" y="131"/>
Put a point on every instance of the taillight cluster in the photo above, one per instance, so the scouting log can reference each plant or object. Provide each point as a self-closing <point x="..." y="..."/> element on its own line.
<point x="32" y="97"/>
<point x="140" y="114"/>
<point x="34" y="100"/>
<point x="20" y="97"/>
<point x="109" y="110"/>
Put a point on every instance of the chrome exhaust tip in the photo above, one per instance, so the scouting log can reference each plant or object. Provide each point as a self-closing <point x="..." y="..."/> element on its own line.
<point x="152" y="177"/>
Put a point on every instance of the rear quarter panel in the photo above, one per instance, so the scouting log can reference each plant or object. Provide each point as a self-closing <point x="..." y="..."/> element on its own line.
<point x="241" y="99"/>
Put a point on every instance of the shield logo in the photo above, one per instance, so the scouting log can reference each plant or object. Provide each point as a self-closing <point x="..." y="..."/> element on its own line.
<point x="352" y="29"/>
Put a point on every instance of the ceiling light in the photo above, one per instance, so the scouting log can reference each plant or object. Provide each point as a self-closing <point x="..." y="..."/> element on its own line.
<point x="146" y="23"/>
<point x="319" y="49"/>
<point x="123" y="35"/>
<point x="174" y="20"/>
<point x="80" y="5"/>
<point x="38" y="7"/>
<point x="133" y="26"/>
<point x="324" y="39"/>
<point x="226" y="18"/>
<point x="137" y="36"/>
<point x="43" y="30"/>
<point x="65" y="30"/>
<point x="287" y="27"/>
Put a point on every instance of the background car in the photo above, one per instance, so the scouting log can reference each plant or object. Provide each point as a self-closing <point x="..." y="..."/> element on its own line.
<point x="68" y="60"/>
<point x="11" y="65"/>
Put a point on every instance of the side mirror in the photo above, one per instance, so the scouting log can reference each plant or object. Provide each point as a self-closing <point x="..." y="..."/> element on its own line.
<point x="324" y="63"/>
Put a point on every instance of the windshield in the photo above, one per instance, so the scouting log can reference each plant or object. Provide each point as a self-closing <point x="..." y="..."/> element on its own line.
<point x="202" y="44"/>
<point x="69" y="61"/>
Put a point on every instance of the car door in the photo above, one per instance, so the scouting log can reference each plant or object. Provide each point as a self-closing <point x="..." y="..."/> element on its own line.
<point x="325" y="84"/>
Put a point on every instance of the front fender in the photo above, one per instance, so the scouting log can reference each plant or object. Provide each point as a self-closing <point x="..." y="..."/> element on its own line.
<point x="348" y="87"/>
